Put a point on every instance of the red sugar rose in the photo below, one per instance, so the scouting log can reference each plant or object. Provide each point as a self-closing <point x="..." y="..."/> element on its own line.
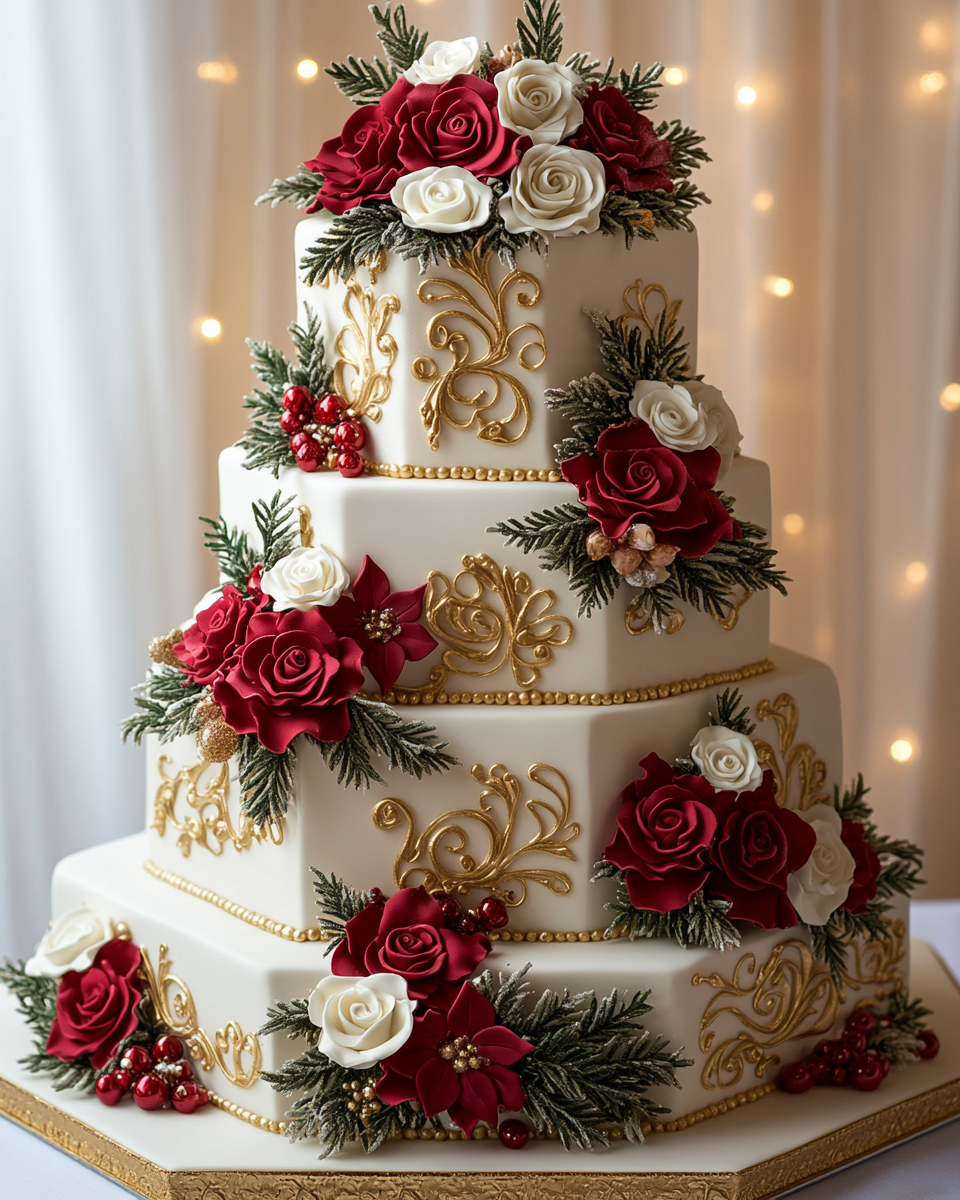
<point x="97" y="1008"/>
<point x="215" y="636"/>
<point x="866" y="867"/>
<point x="624" y="140"/>
<point x="360" y="164"/>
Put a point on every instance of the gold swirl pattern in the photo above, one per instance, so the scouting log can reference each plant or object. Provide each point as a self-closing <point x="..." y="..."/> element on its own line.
<point x="638" y="618"/>
<point x="483" y="313"/>
<point x="646" y="305"/>
<point x="799" y="765"/>
<point x="211" y="827"/>
<point x="446" y="835"/>
<point x="877" y="964"/>
<point x="177" y="1011"/>
<point x="359" y="377"/>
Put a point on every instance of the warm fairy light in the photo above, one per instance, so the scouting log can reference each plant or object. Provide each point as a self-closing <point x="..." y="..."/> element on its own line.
<point x="933" y="82"/>
<point x="210" y="328"/>
<point x="950" y="397"/>
<point x="793" y="524"/>
<point x="931" y="34"/>
<point x="901" y="750"/>
<point x="762" y="202"/>
<point x="746" y="95"/>
<point x="307" y="68"/>
<point x="917" y="572"/>
<point x="674" y="76"/>
<point x="778" y="285"/>
<point x="217" y="72"/>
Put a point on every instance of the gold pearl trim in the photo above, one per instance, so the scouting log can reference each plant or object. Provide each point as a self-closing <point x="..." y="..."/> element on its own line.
<point x="519" y="935"/>
<point x="481" y="474"/>
<point x="244" y="1114"/>
<point x="632" y="696"/>
<point x="750" y="1096"/>
<point x="289" y="933"/>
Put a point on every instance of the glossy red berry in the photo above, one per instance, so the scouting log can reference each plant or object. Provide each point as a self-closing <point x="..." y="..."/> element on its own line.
<point x="795" y="1077"/>
<point x="109" y="1090"/>
<point x="188" y="1097"/>
<point x="492" y="912"/>
<point x="307" y="453"/>
<point x="865" y="1073"/>
<point x="931" y="1044"/>
<point x="817" y="1066"/>
<point x="350" y="464"/>
<point x="837" y="1077"/>
<point x="178" y="1072"/>
<point x="328" y="410"/>
<point x="440" y="896"/>
<point x="839" y="1056"/>
<point x="854" y="1040"/>
<point x="451" y="913"/>
<point x="468" y="924"/>
<point x="862" y="1020"/>
<point x="167" y="1048"/>
<point x="884" y="1064"/>
<point x="822" y="1048"/>
<point x="150" y="1092"/>
<point x="514" y="1134"/>
<point x="290" y="422"/>
<point x="350" y="435"/>
<point x="299" y="401"/>
<point x="136" y="1059"/>
<point x="124" y="1078"/>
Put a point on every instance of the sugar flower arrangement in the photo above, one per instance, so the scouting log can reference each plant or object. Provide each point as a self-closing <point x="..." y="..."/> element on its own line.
<point x="453" y="143"/>
<point x="276" y="655"/>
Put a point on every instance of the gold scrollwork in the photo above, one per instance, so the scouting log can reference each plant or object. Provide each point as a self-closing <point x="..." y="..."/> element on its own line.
<point x="211" y="827"/>
<point x="645" y="305"/>
<point x="174" y="1006"/>
<point x="484" y="314"/>
<point x="446" y="835"/>
<point x="638" y="618"/>
<point x="799" y="763"/>
<point x="736" y="602"/>
<point x="877" y="964"/>
<point x="359" y="345"/>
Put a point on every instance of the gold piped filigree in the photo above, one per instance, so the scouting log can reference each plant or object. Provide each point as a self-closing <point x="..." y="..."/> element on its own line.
<point x="645" y="304"/>
<point x="365" y="351"/>
<point x="421" y="858"/>
<point x="638" y="618"/>
<point x="209" y="826"/>
<point x="174" y="1006"/>
<point x="482" y="311"/>
<point x="797" y="769"/>
<point x="306" y="526"/>
<point x="878" y="964"/>
<point x="736" y="602"/>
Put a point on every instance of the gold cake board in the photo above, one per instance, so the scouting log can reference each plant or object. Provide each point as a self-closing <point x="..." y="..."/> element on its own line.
<point x="751" y="1153"/>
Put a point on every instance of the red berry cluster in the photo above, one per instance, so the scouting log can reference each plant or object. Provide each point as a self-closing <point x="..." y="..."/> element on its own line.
<point x="490" y="913"/>
<point x="155" y="1078"/>
<point x="323" y="432"/>
<point x="849" y="1059"/>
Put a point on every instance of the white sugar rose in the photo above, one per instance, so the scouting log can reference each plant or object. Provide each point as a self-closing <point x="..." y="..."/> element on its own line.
<point x="70" y="944"/>
<point x="308" y="577"/>
<point x="728" y="760"/>
<point x="538" y="100"/>
<point x="717" y="412"/>
<point x="822" y="883"/>
<point x="363" y="1020"/>
<point x="445" y="199"/>
<point x="555" y="189"/>
<point x="672" y="414"/>
<point x="440" y="61"/>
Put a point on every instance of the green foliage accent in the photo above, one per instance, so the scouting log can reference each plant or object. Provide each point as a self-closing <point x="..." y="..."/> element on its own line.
<point x="231" y="547"/>
<point x="36" y="996"/>
<point x="543" y="37"/>
<point x="640" y="86"/>
<point x="265" y="442"/>
<point x="703" y="922"/>
<point x="235" y="556"/>
<point x="360" y="81"/>
<point x="899" y="1040"/>
<point x="290" y="1017"/>
<point x="266" y="781"/>
<point x="593" y="1061"/>
<point x="338" y="903"/>
<point x="731" y="714"/>
<point x="165" y="705"/>
<point x="365" y="83"/>
<point x="301" y="188"/>
<point x="403" y="43"/>
<point x="560" y="535"/>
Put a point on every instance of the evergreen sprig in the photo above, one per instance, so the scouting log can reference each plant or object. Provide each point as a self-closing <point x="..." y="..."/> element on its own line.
<point x="290" y="1017"/>
<point x="338" y="903"/>
<point x="560" y="534"/>
<point x="265" y="443"/>
<point x="593" y="1061"/>
<point x="898" y="1040"/>
<point x="365" y="83"/>
<point x="731" y="714"/>
<point x="165" y="705"/>
<point x="231" y="547"/>
<point x="543" y="37"/>
<point x="403" y="43"/>
<point x="704" y="921"/>
<point x="267" y="784"/>
<point x="641" y="86"/>
<point x="301" y="188"/>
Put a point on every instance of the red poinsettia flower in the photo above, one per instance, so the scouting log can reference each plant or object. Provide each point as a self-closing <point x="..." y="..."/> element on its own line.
<point x="385" y="624"/>
<point x="458" y="1062"/>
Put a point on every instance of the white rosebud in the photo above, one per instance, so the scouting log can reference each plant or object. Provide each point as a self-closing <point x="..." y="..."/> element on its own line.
<point x="363" y="1020"/>
<point x="555" y="189"/>
<point x="538" y="100"/>
<point x="821" y="885"/>
<point x="307" y="577"/>
<point x="688" y="416"/>
<point x="728" y="760"/>
<point x="445" y="199"/>
<point x="440" y="61"/>
<point x="717" y="412"/>
<point x="70" y="944"/>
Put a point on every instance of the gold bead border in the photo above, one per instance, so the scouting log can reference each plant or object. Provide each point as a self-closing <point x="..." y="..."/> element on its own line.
<point x="481" y="474"/>
<point x="244" y="1114"/>
<point x="519" y="935"/>
<point x="660" y="691"/>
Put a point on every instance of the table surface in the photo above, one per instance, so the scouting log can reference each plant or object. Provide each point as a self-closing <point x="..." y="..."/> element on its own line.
<point x="928" y="1166"/>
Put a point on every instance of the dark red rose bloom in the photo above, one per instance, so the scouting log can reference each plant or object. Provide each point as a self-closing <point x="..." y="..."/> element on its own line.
<point x="866" y="867"/>
<point x="385" y="624"/>
<point x="452" y="124"/>
<point x="758" y="845"/>
<point x="423" y="1069"/>
<point x="97" y="1008"/>
<point x="360" y="164"/>
<point x="406" y="937"/>
<point x="216" y="636"/>
<point x="633" y="478"/>
<point x="624" y="140"/>
<point x="292" y="675"/>
<point x="665" y="827"/>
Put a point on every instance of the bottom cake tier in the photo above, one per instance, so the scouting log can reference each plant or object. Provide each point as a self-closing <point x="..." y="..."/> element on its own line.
<point x="736" y="1014"/>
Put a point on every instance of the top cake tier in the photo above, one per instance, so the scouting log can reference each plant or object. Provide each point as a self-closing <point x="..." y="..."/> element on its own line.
<point x="449" y="367"/>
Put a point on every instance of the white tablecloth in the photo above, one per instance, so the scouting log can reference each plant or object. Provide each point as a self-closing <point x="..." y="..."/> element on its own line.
<point x="927" y="1168"/>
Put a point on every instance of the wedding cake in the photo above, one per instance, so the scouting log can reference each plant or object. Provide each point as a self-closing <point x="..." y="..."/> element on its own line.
<point x="485" y="703"/>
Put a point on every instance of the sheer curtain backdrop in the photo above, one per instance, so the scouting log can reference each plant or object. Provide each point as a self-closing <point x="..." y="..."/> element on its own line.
<point x="126" y="215"/>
